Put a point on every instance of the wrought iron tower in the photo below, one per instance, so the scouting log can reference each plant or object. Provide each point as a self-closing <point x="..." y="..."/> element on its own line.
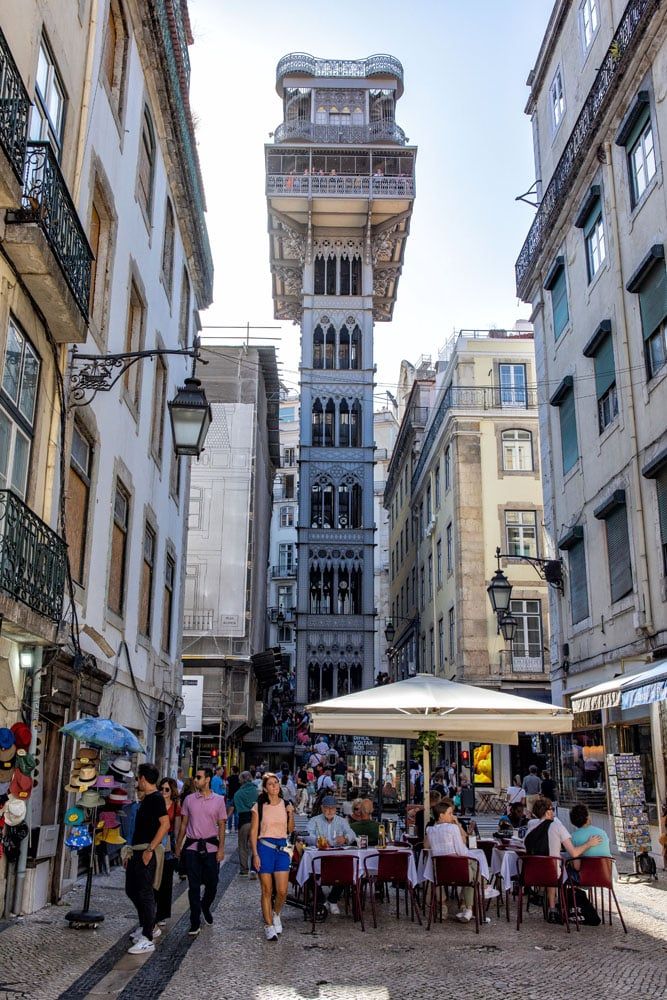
<point x="340" y="184"/>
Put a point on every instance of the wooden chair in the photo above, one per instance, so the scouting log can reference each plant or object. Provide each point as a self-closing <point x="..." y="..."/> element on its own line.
<point x="453" y="870"/>
<point x="392" y="869"/>
<point x="541" y="872"/>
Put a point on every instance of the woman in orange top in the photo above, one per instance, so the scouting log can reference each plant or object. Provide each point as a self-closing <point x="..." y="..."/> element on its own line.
<point x="271" y="822"/>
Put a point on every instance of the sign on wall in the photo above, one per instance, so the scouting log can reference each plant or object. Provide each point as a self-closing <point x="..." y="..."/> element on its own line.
<point x="193" y="701"/>
<point x="482" y="764"/>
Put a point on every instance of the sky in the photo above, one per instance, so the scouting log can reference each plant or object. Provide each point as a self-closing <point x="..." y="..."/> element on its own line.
<point x="465" y="67"/>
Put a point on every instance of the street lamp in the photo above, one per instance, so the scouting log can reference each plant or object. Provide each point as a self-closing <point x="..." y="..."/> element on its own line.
<point x="500" y="589"/>
<point x="190" y="414"/>
<point x="508" y="624"/>
<point x="389" y="632"/>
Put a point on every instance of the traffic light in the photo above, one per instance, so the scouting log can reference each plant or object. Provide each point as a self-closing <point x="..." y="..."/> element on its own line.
<point x="465" y="757"/>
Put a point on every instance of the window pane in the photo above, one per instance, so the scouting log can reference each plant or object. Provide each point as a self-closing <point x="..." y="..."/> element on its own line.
<point x="20" y="463"/>
<point x="11" y="376"/>
<point x="5" y="443"/>
<point x="29" y="381"/>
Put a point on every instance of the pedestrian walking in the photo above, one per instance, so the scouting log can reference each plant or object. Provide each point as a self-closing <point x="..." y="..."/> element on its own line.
<point x="233" y="785"/>
<point x="163" y="893"/>
<point x="271" y="823"/>
<point x="244" y="800"/>
<point x="532" y="786"/>
<point x="218" y="782"/>
<point x="202" y="835"/>
<point x="143" y="860"/>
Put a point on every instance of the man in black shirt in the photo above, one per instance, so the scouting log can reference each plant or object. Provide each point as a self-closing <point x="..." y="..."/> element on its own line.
<point x="151" y="826"/>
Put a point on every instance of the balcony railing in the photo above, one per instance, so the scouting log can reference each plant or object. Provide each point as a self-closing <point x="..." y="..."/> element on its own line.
<point x="284" y="571"/>
<point x="47" y="202"/>
<point x="457" y="397"/>
<point x="339" y="185"/>
<point x="375" y="65"/>
<point x="14" y="109"/>
<point x="33" y="558"/>
<point x="361" y="135"/>
<point x="276" y="734"/>
<point x="198" y="622"/>
<point x="633" y="24"/>
<point x="289" y="615"/>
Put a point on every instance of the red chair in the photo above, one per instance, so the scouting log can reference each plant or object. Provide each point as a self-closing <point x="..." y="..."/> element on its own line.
<point x="453" y="870"/>
<point x="596" y="873"/>
<point x="339" y="870"/>
<point x="392" y="869"/>
<point x="541" y="872"/>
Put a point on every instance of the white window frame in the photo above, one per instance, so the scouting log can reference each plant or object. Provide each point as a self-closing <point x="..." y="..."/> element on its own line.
<point x="43" y="126"/>
<point x="513" y="389"/>
<point x="596" y="247"/>
<point x="517" y="446"/>
<point x="525" y="613"/>
<point x="557" y="101"/>
<point x="589" y="21"/>
<point x="644" y="168"/>
<point x="521" y="523"/>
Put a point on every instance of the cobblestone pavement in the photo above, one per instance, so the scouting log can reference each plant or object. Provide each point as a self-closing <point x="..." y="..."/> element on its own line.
<point x="41" y="957"/>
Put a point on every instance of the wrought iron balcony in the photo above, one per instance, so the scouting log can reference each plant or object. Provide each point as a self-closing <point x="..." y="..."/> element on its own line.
<point x="339" y="185"/>
<point x="46" y="201"/>
<point x="285" y="571"/>
<point x="198" y="622"/>
<point x="379" y="64"/>
<point x="289" y="616"/>
<point x="14" y="109"/>
<point x="360" y="135"/>
<point x="276" y="734"/>
<point x="633" y="25"/>
<point x="473" y="398"/>
<point x="33" y="558"/>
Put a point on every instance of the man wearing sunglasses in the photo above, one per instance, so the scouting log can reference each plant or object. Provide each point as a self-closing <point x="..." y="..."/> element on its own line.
<point x="203" y="836"/>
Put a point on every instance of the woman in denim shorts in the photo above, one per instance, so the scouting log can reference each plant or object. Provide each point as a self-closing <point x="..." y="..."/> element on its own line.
<point x="271" y="822"/>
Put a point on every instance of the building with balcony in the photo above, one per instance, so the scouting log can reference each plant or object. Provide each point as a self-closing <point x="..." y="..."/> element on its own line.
<point x="593" y="268"/>
<point x="103" y="248"/>
<point x="385" y="429"/>
<point x="340" y="187"/>
<point x="415" y="395"/>
<point x="225" y="615"/>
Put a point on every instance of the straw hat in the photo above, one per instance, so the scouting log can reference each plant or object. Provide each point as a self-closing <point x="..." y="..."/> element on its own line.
<point x="87" y="775"/>
<point x="110" y="836"/>
<point x="121" y="767"/>
<point x="14" y="811"/>
<point x="74" y="785"/>
<point x="90" y="800"/>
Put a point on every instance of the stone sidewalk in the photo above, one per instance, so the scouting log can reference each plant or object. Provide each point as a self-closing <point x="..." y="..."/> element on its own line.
<point x="41" y="957"/>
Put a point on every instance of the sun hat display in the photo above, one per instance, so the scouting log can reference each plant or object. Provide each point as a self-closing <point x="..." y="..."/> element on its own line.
<point x="6" y="765"/>
<point x="25" y="761"/>
<point x="78" y="838"/>
<point x="90" y="800"/>
<point x="121" y="767"/>
<point x="74" y="816"/>
<point x="6" y="738"/>
<point x="118" y="797"/>
<point x="74" y="785"/>
<point x="21" y="785"/>
<point x="8" y="753"/>
<point x="109" y="836"/>
<point x="105" y="781"/>
<point x="22" y="735"/>
<point x="14" y="811"/>
<point x="108" y="819"/>
<point x="87" y="775"/>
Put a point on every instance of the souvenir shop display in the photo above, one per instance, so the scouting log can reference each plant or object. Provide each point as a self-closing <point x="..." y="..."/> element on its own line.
<point x="17" y="780"/>
<point x="628" y="802"/>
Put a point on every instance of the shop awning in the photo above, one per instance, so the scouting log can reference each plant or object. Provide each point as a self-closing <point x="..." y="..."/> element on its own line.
<point x="625" y="691"/>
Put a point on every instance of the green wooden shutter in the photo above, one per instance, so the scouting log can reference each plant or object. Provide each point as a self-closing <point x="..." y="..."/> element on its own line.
<point x="653" y="299"/>
<point x="568" y="431"/>
<point x="637" y="129"/>
<point x="605" y="373"/>
<point x="592" y="218"/>
<point x="578" y="586"/>
<point x="618" y="553"/>
<point x="561" y="312"/>
<point x="661" y="489"/>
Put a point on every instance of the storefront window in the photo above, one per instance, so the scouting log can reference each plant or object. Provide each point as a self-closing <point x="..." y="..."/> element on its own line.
<point x="582" y="763"/>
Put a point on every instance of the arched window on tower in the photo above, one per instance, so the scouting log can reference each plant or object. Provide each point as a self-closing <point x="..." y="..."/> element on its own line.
<point x="328" y="591"/>
<point x="345" y="285"/>
<point x="356" y="674"/>
<point x="320" y="275"/>
<point x="343" y="595"/>
<point x="355" y="276"/>
<point x="355" y="349"/>
<point x="330" y="347"/>
<point x="355" y="425"/>
<point x="331" y="275"/>
<point x="317" y="425"/>
<point x="344" y="506"/>
<point x="329" y="421"/>
<point x="355" y="592"/>
<point x="344" y="424"/>
<point x="344" y="347"/>
<point x="318" y="347"/>
<point x="315" y="584"/>
<point x="355" y="507"/>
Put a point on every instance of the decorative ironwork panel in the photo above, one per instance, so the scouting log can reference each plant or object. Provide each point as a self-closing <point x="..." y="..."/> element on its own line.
<point x="33" y="558"/>
<point x="359" y="135"/>
<point x="630" y="31"/>
<point x="47" y="202"/>
<point x="14" y="109"/>
<point x="375" y="65"/>
<point x="340" y="186"/>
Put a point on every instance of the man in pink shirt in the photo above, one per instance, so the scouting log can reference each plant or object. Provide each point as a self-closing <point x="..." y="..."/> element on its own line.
<point x="203" y="834"/>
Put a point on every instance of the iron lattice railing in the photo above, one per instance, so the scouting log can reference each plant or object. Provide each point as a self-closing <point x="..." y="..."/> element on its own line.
<point x="303" y="62"/>
<point x="631" y="29"/>
<point x="202" y="622"/>
<point x="473" y="398"/>
<point x="14" y="109"/>
<point x="33" y="558"/>
<point x="47" y="202"/>
<point x="357" y="185"/>
<point x="352" y="134"/>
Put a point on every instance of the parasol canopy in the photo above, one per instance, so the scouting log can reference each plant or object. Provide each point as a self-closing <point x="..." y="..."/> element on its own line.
<point x="425" y="703"/>
<point x="103" y="733"/>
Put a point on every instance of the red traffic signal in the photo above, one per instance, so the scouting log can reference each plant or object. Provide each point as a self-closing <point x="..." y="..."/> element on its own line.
<point x="214" y="753"/>
<point x="465" y="756"/>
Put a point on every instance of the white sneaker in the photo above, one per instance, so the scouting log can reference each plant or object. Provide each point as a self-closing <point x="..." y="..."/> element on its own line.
<point x="465" y="916"/>
<point x="270" y="932"/>
<point x="490" y="892"/>
<point x="277" y="923"/>
<point x="333" y="908"/>
<point x="142" y="947"/>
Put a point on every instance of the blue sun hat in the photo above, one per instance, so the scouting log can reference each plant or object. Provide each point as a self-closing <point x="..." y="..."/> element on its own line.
<point x="6" y="738"/>
<point x="78" y="838"/>
<point x="74" y="816"/>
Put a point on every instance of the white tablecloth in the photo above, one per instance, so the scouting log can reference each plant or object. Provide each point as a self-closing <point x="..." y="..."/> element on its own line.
<point x="425" y="870"/>
<point x="305" y="869"/>
<point x="505" y="864"/>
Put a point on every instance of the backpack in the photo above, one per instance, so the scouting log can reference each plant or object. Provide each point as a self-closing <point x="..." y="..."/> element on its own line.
<point x="645" y="865"/>
<point x="537" y="840"/>
<point x="585" y="910"/>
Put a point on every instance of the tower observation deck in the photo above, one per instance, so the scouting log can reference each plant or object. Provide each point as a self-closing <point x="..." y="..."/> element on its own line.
<point x="340" y="183"/>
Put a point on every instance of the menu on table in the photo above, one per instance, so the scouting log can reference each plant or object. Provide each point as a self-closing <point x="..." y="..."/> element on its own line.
<point x="628" y="802"/>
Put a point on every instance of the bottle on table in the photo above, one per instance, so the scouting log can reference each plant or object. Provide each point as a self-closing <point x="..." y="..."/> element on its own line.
<point x="382" y="836"/>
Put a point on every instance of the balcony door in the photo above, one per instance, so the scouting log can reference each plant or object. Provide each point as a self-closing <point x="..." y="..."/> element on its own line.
<point x="18" y="397"/>
<point x="513" y="385"/>
<point x="527" y="644"/>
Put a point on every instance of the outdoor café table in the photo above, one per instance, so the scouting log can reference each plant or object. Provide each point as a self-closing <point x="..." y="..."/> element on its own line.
<point x="505" y="863"/>
<point x="305" y="869"/>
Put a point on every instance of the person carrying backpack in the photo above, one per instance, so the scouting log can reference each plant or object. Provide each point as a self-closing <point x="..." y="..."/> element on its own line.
<point x="547" y="836"/>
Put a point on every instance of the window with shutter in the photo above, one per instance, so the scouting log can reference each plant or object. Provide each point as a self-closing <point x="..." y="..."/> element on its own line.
<point x="618" y="553"/>
<point x="568" y="431"/>
<point x="605" y="382"/>
<point x="661" y="490"/>
<point x="653" y="310"/>
<point x="578" y="584"/>
<point x="559" y="304"/>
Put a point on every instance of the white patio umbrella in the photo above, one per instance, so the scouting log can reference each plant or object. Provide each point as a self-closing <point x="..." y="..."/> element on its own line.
<point x="425" y="703"/>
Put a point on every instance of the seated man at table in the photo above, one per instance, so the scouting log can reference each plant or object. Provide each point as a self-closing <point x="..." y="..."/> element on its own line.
<point x="336" y="830"/>
<point x="363" y="824"/>
<point x="581" y="820"/>
<point x="446" y="837"/>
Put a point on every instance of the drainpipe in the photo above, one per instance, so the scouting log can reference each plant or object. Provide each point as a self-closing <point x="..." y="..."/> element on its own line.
<point x="36" y="694"/>
<point x="622" y="342"/>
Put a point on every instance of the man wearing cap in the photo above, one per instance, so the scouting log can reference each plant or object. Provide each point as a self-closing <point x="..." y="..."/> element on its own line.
<point x="151" y="826"/>
<point x="203" y="835"/>
<point x="337" y="832"/>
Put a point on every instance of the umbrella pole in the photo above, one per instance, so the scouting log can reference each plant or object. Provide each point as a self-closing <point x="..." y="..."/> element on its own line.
<point x="427" y="785"/>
